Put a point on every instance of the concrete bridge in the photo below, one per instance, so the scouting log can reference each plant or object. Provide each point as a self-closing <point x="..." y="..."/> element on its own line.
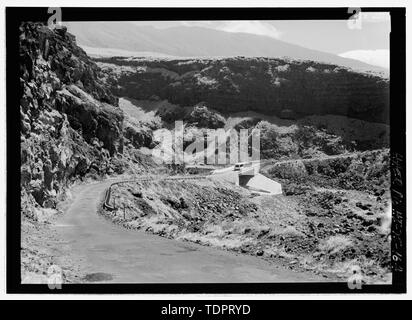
<point x="249" y="178"/>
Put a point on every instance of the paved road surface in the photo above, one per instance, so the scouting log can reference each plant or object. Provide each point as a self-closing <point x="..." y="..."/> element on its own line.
<point x="137" y="257"/>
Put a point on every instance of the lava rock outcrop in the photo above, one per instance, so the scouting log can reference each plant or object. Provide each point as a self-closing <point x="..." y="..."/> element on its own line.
<point x="71" y="124"/>
<point x="273" y="86"/>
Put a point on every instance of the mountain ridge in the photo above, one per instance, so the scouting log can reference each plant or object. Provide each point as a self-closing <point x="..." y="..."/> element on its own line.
<point x="198" y="42"/>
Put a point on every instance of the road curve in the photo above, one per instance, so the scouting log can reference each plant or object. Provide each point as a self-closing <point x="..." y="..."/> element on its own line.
<point x="129" y="256"/>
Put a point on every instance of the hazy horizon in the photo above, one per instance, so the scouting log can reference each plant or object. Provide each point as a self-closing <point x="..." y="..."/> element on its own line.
<point x="368" y="44"/>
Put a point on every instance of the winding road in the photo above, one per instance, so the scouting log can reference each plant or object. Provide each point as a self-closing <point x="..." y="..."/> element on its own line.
<point x="128" y="256"/>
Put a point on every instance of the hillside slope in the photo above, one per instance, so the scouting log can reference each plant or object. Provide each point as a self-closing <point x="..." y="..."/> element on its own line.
<point x="281" y="87"/>
<point x="325" y="231"/>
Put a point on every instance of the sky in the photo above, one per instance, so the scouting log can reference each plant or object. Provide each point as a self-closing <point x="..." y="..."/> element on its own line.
<point x="366" y="40"/>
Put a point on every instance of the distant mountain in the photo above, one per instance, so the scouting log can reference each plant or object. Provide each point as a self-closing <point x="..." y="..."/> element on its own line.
<point x="128" y="39"/>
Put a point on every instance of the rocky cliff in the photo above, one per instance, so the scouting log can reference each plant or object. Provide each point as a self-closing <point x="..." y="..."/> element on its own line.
<point x="71" y="124"/>
<point x="281" y="87"/>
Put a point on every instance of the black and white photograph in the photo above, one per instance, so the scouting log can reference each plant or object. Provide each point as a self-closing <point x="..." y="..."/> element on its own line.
<point x="210" y="150"/>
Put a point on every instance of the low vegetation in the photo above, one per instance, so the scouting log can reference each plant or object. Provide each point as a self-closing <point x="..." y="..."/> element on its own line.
<point x="326" y="232"/>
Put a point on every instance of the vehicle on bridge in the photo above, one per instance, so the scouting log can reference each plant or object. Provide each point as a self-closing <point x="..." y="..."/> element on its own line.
<point x="240" y="165"/>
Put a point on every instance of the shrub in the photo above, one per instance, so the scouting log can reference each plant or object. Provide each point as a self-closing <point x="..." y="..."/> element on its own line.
<point x="335" y="244"/>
